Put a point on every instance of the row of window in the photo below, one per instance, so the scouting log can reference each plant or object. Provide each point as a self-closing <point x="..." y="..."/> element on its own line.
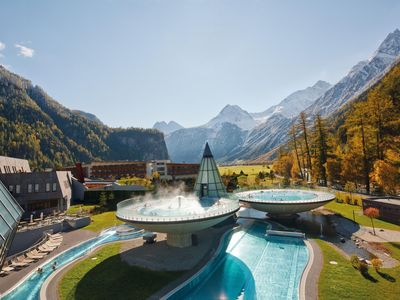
<point x="33" y="187"/>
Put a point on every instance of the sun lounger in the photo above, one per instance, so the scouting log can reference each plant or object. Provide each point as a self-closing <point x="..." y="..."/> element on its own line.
<point x="7" y="269"/>
<point x="3" y="273"/>
<point x="56" y="235"/>
<point x="17" y="264"/>
<point x="33" y="256"/>
<point x="53" y="244"/>
<point x="23" y="259"/>
<point x="38" y="253"/>
<point x="44" y="249"/>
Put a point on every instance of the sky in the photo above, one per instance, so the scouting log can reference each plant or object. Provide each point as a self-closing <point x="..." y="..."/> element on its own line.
<point x="132" y="63"/>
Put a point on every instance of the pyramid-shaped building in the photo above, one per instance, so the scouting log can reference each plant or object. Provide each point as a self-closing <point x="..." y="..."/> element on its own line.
<point x="209" y="182"/>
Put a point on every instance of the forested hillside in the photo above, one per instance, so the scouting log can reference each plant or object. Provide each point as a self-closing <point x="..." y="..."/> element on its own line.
<point x="357" y="148"/>
<point x="36" y="127"/>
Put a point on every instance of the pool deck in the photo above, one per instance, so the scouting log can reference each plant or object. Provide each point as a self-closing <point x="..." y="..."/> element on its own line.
<point x="309" y="285"/>
<point x="70" y="239"/>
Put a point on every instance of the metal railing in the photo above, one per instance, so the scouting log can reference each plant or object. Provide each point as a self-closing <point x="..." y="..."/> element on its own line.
<point x="319" y="197"/>
<point x="130" y="210"/>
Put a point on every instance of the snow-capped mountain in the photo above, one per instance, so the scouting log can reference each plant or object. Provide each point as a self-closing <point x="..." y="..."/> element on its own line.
<point x="296" y="102"/>
<point x="274" y="131"/>
<point x="235" y="134"/>
<point x="359" y="77"/>
<point x="232" y="114"/>
<point x="167" y="128"/>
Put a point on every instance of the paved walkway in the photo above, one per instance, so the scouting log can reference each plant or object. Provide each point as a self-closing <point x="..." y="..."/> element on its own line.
<point x="382" y="235"/>
<point x="70" y="239"/>
<point x="162" y="257"/>
<point x="311" y="285"/>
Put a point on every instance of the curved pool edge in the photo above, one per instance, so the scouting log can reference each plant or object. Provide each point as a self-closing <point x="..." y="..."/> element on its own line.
<point x="307" y="269"/>
<point x="26" y="277"/>
<point x="214" y="256"/>
<point x="46" y="283"/>
<point x="23" y="279"/>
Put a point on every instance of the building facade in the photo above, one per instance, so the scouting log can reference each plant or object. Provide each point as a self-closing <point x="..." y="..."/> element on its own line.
<point x="10" y="165"/>
<point x="39" y="192"/>
<point x="116" y="170"/>
<point x="10" y="215"/>
<point x="389" y="207"/>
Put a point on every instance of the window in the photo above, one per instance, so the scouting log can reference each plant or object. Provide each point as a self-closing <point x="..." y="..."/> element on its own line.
<point x="18" y="188"/>
<point x="29" y="188"/>
<point x="36" y="187"/>
<point x="47" y="187"/>
<point x="14" y="169"/>
<point x="11" y="188"/>
<point x="54" y="187"/>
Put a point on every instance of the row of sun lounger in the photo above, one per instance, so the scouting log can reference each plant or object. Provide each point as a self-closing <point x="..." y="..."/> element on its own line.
<point x="34" y="255"/>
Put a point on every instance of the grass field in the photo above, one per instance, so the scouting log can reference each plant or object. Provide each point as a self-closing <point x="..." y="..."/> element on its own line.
<point x="80" y="208"/>
<point x="107" y="277"/>
<point x="103" y="221"/>
<point x="342" y="281"/>
<point x="346" y="210"/>
<point x="249" y="170"/>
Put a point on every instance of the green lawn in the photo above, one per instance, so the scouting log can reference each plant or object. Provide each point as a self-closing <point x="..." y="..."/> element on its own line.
<point x="103" y="221"/>
<point x="342" y="281"/>
<point x="394" y="249"/>
<point x="107" y="277"/>
<point x="80" y="208"/>
<point x="346" y="210"/>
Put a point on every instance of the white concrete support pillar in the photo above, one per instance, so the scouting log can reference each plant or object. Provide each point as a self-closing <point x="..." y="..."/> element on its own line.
<point x="180" y="240"/>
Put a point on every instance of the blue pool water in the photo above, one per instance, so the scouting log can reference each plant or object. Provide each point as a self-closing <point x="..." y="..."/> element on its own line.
<point x="252" y="266"/>
<point x="30" y="288"/>
<point x="282" y="195"/>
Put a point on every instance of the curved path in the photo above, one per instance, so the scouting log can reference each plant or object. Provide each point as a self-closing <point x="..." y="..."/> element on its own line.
<point x="70" y="239"/>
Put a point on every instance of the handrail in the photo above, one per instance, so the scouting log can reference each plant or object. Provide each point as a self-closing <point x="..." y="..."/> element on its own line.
<point x="129" y="210"/>
<point x="42" y="241"/>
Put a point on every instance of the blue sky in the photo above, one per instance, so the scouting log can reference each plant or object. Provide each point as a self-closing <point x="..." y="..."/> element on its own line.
<point x="136" y="62"/>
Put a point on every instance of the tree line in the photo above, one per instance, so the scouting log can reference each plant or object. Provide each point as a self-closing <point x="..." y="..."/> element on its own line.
<point x="357" y="147"/>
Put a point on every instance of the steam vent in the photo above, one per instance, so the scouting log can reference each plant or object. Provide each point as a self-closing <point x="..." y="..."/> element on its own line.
<point x="180" y="216"/>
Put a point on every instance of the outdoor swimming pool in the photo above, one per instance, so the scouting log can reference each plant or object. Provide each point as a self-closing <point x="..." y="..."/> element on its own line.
<point x="29" y="289"/>
<point x="282" y="195"/>
<point x="252" y="266"/>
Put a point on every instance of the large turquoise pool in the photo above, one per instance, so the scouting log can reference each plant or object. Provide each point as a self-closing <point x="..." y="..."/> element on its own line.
<point x="251" y="266"/>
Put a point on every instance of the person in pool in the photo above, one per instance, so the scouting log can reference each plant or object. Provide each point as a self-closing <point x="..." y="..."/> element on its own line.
<point x="40" y="270"/>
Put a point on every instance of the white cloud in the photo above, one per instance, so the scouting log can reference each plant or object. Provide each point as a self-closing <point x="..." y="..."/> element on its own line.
<point x="24" y="51"/>
<point x="2" y="46"/>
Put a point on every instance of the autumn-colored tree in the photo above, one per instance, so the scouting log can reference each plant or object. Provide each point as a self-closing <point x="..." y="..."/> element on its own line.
<point x="333" y="169"/>
<point x="293" y="135"/>
<point x="303" y="125"/>
<point x="376" y="263"/>
<point x="372" y="213"/>
<point x="283" y="165"/>
<point x="350" y="187"/>
<point x="321" y="149"/>
<point x="386" y="176"/>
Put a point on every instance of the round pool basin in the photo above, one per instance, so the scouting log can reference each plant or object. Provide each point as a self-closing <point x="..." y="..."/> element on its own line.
<point x="176" y="215"/>
<point x="284" y="202"/>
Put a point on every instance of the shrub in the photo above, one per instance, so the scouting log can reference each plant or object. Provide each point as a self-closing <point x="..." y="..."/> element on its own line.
<point x="376" y="263"/>
<point x="355" y="201"/>
<point x="347" y="199"/>
<point x="363" y="267"/>
<point x="355" y="262"/>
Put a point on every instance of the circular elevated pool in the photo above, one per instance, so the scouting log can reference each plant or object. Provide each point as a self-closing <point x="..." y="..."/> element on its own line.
<point x="178" y="216"/>
<point x="282" y="202"/>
